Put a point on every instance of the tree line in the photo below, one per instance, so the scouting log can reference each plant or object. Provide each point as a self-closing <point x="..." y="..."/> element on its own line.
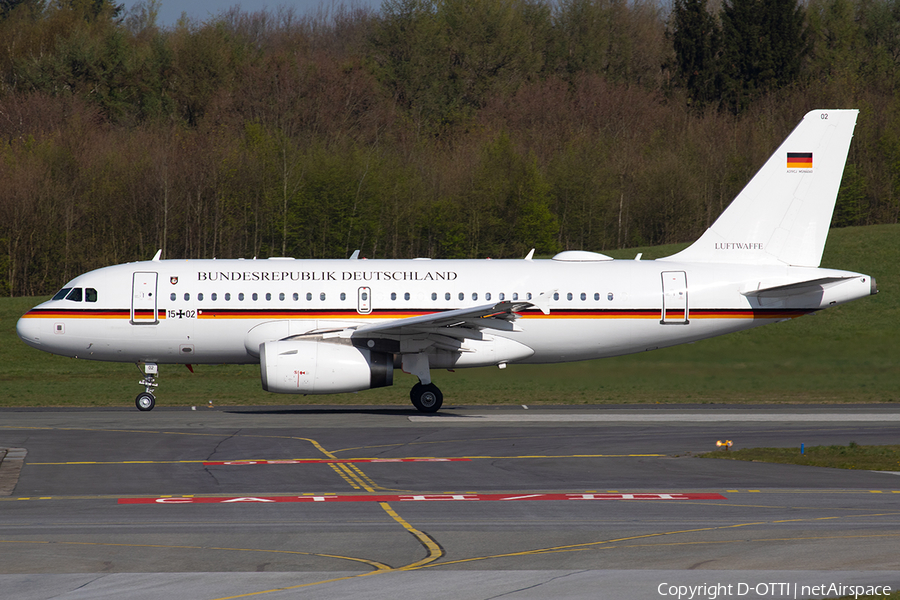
<point x="439" y="128"/>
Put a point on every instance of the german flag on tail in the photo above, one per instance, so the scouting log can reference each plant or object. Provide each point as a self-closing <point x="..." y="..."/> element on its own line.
<point x="799" y="160"/>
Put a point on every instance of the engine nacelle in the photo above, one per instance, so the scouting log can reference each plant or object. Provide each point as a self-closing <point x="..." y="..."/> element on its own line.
<point x="314" y="367"/>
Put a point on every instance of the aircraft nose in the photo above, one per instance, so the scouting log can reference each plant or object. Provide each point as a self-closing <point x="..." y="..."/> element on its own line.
<point x="29" y="330"/>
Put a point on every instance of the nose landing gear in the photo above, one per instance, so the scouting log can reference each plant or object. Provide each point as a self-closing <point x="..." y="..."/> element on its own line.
<point x="146" y="400"/>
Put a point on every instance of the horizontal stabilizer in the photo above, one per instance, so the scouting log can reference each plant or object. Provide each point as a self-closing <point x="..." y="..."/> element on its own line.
<point x="797" y="289"/>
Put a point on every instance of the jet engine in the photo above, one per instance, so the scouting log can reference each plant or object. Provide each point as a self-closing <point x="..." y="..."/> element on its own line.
<point x="316" y="367"/>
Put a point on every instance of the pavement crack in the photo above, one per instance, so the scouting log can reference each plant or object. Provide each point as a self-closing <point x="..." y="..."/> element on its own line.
<point x="536" y="585"/>
<point x="214" y="452"/>
<point x="83" y="585"/>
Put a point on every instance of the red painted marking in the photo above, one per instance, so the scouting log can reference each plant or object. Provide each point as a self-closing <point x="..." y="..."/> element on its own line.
<point x="416" y="498"/>
<point x="300" y="461"/>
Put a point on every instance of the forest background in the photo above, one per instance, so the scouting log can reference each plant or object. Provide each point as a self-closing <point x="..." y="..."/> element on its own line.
<point x="438" y="128"/>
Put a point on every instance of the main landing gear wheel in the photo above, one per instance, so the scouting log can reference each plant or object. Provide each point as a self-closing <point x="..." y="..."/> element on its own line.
<point x="145" y="401"/>
<point x="427" y="398"/>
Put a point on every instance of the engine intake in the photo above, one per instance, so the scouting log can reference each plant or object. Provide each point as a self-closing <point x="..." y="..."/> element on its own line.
<point x="314" y="367"/>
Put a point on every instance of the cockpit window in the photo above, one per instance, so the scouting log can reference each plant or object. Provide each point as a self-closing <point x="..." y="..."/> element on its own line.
<point x="74" y="295"/>
<point x="61" y="293"/>
<point x="90" y="295"/>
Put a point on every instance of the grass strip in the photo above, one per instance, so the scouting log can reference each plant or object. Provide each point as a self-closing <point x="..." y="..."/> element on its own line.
<point x="851" y="456"/>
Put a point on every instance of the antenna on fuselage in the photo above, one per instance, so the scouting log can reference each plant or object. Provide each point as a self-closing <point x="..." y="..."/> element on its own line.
<point x="158" y="254"/>
<point x="354" y="256"/>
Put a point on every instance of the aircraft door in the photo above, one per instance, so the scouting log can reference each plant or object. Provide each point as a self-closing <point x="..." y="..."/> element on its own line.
<point x="364" y="301"/>
<point x="675" y="298"/>
<point x="143" y="299"/>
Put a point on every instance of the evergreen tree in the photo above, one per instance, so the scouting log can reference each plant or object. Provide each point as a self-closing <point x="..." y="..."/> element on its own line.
<point x="764" y="42"/>
<point x="697" y="40"/>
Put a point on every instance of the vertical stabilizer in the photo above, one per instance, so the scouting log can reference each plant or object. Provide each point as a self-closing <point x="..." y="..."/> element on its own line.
<point x="782" y="216"/>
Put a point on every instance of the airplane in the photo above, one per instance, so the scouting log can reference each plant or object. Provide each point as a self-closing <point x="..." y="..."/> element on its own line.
<point x="331" y="326"/>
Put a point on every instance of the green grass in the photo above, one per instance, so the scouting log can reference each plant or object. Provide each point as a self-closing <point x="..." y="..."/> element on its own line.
<point x="848" y="353"/>
<point x="852" y="456"/>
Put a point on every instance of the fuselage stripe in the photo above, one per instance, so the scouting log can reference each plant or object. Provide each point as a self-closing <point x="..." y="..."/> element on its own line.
<point x="715" y="313"/>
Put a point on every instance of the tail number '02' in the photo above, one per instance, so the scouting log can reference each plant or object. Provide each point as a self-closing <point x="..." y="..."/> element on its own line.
<point x="182" y="314"/>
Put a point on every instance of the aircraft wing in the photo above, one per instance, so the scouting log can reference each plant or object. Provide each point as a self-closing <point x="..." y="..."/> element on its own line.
<point x="452" y="323"/>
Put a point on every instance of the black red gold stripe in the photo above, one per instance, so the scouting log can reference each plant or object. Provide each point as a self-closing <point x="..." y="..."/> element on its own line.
<point x="697" y="313"/>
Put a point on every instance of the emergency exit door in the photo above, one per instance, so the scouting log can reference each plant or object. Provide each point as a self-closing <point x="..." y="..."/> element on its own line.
<point x="364" y="301"/>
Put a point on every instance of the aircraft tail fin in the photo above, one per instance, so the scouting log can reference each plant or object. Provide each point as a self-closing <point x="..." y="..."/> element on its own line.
<point x="782" y="216"/>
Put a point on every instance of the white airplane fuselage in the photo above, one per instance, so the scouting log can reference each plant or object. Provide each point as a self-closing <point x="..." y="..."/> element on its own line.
<point x="204" y="311"/>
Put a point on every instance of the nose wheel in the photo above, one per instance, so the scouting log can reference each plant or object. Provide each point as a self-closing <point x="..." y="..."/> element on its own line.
<point x="146" y="400"/>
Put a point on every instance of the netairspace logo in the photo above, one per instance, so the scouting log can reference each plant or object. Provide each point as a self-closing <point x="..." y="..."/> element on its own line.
<point x="780" y="589"/>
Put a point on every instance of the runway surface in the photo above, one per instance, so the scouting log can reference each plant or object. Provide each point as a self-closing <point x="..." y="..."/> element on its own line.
<point x="514" y="502"/>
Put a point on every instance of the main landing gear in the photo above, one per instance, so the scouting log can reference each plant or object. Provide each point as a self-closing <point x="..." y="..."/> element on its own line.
<point x="146" y="400"/>
<point x="426" y="397"/>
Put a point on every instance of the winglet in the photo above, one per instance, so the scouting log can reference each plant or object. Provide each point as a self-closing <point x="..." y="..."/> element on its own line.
<point x="530" y="255"/>
<point x="354" y="256"/>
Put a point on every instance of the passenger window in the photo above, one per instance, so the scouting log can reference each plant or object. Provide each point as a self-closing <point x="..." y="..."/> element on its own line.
<point x="502" y="296"/>
<point x="569" y="296"/>
<point x="343" y="296"/>
<point x="528" y="296"/>
<point x="462" y="296"/>
<point x="406" y="296"/>
<point x="61" y="294"/>
<point x="433" y="296"/>
<point x="308" y="296"/>
<point x="255" y="296"/>
<point x="447" y="296"/>
<point x="281" y="296"/>
<point x="214" y="296"/>
<point x="583" y="296"/>
<point x="393" y="295"/>
<point x="515" y="295"/>
<point x="172" y="296"/>
<point x="227" y="296"/>
<point x="268" y="297"/>
<point x="200" y="297"/>
<point x="187" y="297"/>
<point x="596" y="296"/>
<point x="322" y="296"/>
<point x="296" y="296"/>
<point x="241" y="296"/>
<point x="474" y="295"/>
<point x="90" y="295"/>
<point x="487" y="296"/>
<point x="74" y="295"/>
